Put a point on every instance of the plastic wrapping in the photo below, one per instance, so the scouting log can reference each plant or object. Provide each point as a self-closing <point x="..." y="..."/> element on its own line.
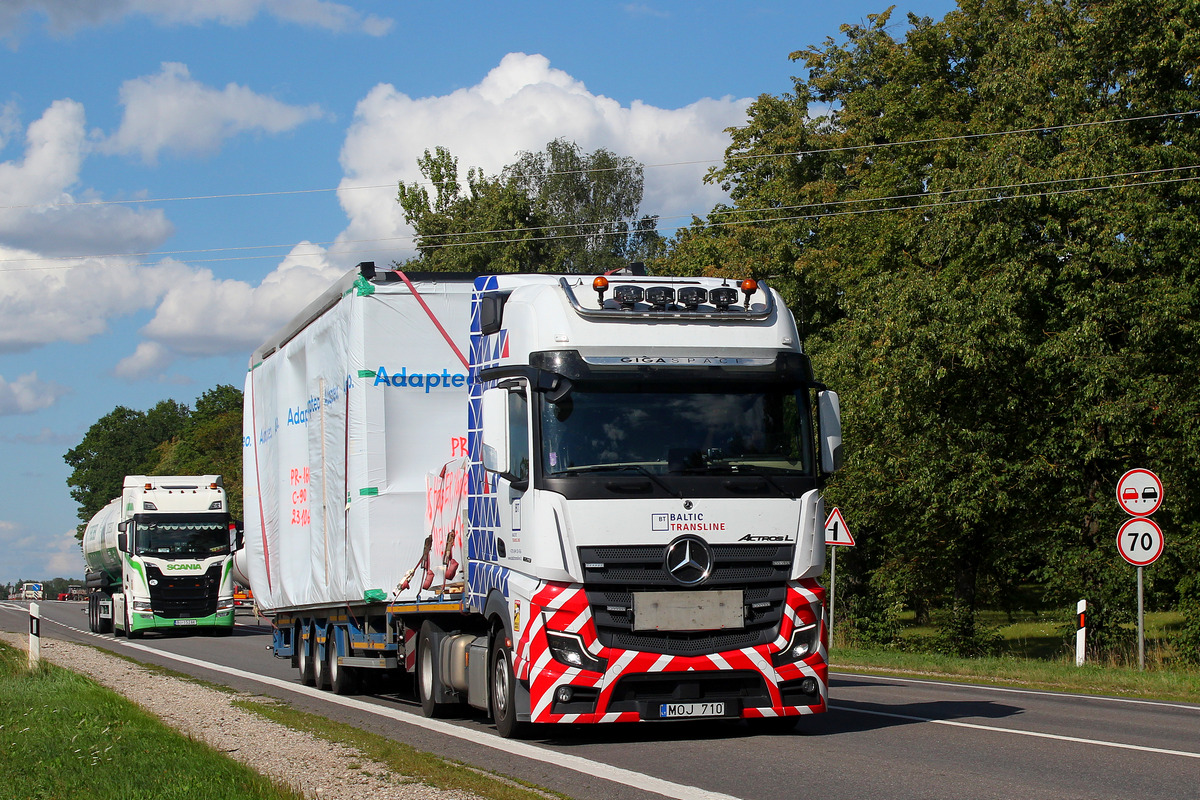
<point x="362" y="397"/>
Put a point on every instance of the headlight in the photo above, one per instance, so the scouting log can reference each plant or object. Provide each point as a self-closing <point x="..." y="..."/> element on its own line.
<point x="224" y="604"/>
<point x="568" y="648"/>
<point x="802" y="645"/>
<point x="142" y="605"/>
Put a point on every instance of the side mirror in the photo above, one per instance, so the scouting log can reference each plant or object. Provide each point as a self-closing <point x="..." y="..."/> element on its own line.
<point x="123" y="525"/>
<point x="123" y="541"/>
<point x="829" y="411"/>
<point x="239" y="535"/>
<point x="495" y="430"/>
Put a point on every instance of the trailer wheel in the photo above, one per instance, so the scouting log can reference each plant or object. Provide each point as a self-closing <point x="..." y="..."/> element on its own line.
<point x="93" y="614"/>
<point x="504" y="690"/>
<point x="305" y="658"/>
<point x="321" y="665"/>
<point x="342" y="680"/>
<point x="428" y="685"/>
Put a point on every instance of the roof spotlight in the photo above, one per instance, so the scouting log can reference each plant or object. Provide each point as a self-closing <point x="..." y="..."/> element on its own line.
<point x="659" y="296"/>
<point x="692" y="297"/>
<point x="628" y="296"/>
<point x="723" y="297"/>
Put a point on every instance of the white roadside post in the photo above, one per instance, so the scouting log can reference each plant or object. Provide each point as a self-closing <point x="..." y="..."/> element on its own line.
<point x="35" y="635"/>
<point x="1081" y="634"/>
<point x="836" y="533"/>
<point x="1140" y="540"/>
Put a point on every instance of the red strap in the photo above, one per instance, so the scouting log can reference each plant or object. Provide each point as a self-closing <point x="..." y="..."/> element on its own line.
<point x="438" y="325"/>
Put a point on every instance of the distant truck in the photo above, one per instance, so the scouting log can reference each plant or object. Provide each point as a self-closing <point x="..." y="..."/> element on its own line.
<point x="556" y="499"/>
<point x="160" y="557"/>
<point x="31" y="591"/>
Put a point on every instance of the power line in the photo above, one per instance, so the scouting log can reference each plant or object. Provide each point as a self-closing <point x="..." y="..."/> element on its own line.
<point x="732" y="223"/>
<point x="698" y="162"/>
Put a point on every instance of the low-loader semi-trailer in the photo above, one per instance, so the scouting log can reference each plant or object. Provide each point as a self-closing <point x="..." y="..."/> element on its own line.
<point x="557" y="499"/>
<point x="160" y="557"/>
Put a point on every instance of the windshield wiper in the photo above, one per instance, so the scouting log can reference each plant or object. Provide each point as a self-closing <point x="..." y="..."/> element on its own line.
<point x="638" y="468"/>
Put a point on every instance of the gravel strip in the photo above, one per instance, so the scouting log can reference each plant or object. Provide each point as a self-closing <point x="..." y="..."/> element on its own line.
<point x="313" y="766"/>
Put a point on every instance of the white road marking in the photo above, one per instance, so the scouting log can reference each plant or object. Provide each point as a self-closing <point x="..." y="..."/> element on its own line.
<point x="1018" y="732"/>
<point x="584" y="766"/>
<point x="1010" y="690"/>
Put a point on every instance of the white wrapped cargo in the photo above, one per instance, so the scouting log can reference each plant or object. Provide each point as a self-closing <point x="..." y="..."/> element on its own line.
<point x="334" y="511"/>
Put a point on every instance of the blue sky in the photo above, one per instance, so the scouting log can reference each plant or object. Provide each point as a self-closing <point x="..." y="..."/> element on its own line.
<point x="178" y="178"/>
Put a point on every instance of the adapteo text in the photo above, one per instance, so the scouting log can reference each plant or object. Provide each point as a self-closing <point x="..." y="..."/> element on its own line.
<point x="420" y="380"/>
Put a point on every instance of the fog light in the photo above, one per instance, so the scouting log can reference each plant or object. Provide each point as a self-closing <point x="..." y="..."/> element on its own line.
<point x="809" y="685"/>
<point x="563" y="694"/>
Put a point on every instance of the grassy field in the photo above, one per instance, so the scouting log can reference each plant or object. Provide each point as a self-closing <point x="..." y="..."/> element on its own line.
<point x="1036" y="651"/>
<point x="64" y="736"/>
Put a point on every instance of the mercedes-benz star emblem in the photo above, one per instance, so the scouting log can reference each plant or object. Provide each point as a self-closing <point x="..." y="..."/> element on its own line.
<point x="689" y="560"/>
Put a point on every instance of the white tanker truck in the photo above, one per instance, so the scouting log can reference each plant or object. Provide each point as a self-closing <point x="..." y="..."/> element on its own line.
<point x="160" y="557"/>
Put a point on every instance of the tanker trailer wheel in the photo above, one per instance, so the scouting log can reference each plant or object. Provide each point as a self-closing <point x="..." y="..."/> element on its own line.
<point x="304" y="658"/>
<point x="429" y="687"/>
<point x="504" y="689"/>
<point x="342" y="680"/>
<point x="93" y="614"/>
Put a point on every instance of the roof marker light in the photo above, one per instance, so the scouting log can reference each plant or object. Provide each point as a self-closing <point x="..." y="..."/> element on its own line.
<point x="600" y="284"/>
<point x="749" y="287"/>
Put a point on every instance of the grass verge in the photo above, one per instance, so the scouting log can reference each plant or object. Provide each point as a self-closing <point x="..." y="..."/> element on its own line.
<point x="399" y="757"/>
<point x="62" y="735"/>
<point x="1050" y="675"/>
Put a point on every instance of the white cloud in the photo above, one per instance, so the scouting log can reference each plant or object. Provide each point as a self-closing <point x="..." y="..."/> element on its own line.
<point x="31" y="555"/>
<point x="43" y="216"/>
<point x="171" y="111"/>
<point x="28" y="394"/>
<point x="521" y="105"/>
<point x="67" y="16"/>
<point x="72" y="300"/>
<point x="203" y="316"/>
<point x="148" y="359"/>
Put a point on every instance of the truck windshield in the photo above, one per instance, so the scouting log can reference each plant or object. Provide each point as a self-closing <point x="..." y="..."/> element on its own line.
<point x="686" y="431"/>
<point x="182" y="538"/>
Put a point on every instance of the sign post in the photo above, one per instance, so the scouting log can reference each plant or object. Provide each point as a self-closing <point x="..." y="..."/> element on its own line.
<point x="1140" y="540"/>
<point x="35" y="635"/>
<point x="836" y="533"/>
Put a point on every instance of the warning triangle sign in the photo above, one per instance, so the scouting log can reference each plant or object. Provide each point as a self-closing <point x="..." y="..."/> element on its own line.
<point x="836" y="531"/>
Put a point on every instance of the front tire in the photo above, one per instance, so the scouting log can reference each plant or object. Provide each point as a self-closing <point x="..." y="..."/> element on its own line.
<point x="428" y="685"/>
<point x="129" y="631"/>
<point x="504" y="690"/>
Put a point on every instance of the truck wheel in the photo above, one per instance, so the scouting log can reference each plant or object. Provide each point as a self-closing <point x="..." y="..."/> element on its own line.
<point x="428" y="685"/>
<point x="129" y="631"/>
<point x="504" y="690"/>
<point x="305" y="659"/>
<point x="93" y="614"/>
<point x="342" y="680"/>
<point x="321" y="665"/>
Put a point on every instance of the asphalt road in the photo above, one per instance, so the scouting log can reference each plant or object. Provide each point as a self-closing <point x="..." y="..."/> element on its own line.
<point x="883" y="738"/>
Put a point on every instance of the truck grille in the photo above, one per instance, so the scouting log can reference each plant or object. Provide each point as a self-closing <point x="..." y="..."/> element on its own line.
<point x="613" y="574"/>
<point x="184" y="596"/>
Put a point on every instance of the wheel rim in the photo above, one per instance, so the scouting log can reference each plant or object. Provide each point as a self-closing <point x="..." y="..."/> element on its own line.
<point x="331" y="653"/>
<point x="426" y="674"/>
<point x="500" y="680"/>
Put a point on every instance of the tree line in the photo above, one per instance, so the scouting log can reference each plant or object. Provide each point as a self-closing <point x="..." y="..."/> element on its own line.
<point x="986" y="231"/>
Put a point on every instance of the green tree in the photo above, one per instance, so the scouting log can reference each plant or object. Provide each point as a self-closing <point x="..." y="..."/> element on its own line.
<point x="561" y="210"/>
<point x="988" y="241"/>
<point x="210" y="443"/>
<point x="120" y="443"/>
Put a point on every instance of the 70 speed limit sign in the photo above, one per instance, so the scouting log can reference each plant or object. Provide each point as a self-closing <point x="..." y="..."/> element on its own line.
<point x="1140" y="541"/>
